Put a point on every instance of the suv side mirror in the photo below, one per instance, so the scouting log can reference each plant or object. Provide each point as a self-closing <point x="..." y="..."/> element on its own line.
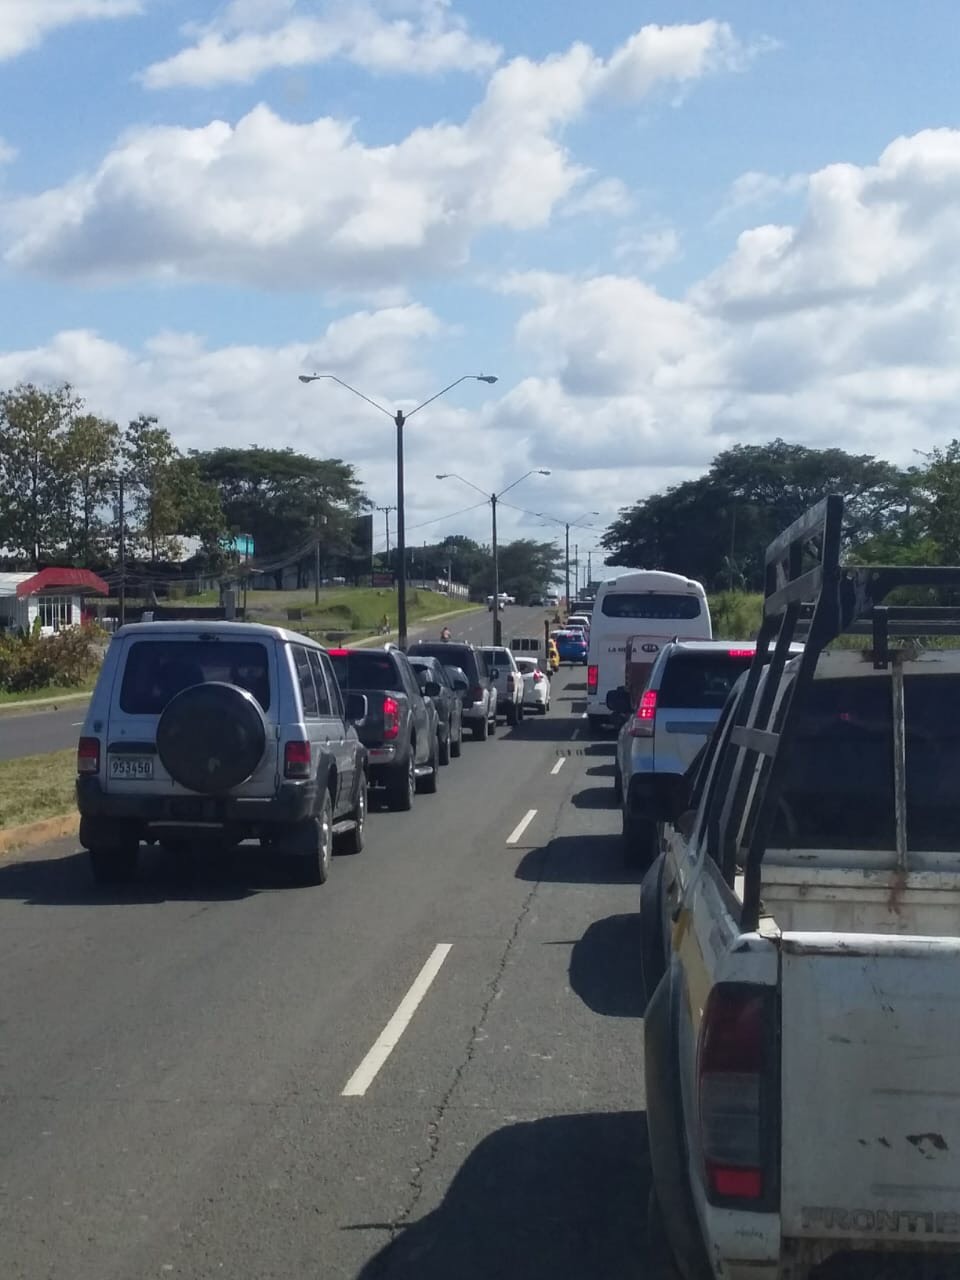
<point x="618" y="701"/>
<point x="356" y="708"/>
<point x="494" y="673"/>
<point x="460" y="683"/>
<point x="431" y="689"/>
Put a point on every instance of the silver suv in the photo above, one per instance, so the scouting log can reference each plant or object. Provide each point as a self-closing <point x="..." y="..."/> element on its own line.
<point x="214" y="733"/>
<point x="503" y="670"/>
<point x="677" y="711"/>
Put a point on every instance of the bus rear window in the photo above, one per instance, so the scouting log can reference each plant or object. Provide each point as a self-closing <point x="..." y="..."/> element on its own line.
<point x="650" y="604"/>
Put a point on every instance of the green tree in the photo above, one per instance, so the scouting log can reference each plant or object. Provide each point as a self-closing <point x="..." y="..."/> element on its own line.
<point x="35" y="482"/>
<point x="170" y="496"/>
<point x="90" y="457"/>
<point x="286" y="501"/>
<point x="716" y="528"/>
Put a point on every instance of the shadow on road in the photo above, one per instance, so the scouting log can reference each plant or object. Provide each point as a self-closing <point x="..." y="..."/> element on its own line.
<point x="561" y="1196"/>
<point x="602" y="771"/>
<point x="601" y="749"/>
<point x="591" y="859"/>
<point x="556" y="727"/>
<point x="66" y="881"/>
<point x="594" y="798"/>
<point x="605" y="967"/>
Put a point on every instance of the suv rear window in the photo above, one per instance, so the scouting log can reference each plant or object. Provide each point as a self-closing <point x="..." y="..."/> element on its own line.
<point x="700" y="680"/>
<point x="450" y="654"/>
<point x="497" y="659"/>
<point x="650" y="604"/>
<point x="157" y="670"/>
<point x="375" y="671"/>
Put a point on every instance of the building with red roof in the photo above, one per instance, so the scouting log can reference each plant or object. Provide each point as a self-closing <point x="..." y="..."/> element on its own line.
<point x="56" y="596"/>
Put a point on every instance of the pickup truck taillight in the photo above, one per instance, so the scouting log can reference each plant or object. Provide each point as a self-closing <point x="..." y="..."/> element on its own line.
<point x="88" y="755"/>
<point x="644" y="720"/>
<point x="735" y="1070"/>
<point x="296" y="760"/>
<point x="593" y="678"/>
<point x="391" y="718"/>
<point x="476" y="694"/>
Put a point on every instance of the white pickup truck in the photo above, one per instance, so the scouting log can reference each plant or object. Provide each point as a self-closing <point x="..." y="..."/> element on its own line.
<point x="801" y="947"/>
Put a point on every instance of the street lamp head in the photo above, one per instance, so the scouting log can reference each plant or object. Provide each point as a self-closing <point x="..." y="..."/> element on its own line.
<point x="541" y="472"/>
<point x="487" y="377"/>
<point x="444" y="476"/>
<point x="306" y="377"/>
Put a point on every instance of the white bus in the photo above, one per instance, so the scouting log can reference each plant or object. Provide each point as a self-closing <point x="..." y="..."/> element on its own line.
<point x="649" y="607"/>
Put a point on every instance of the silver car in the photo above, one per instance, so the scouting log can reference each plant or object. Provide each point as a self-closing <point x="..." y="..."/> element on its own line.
<point x="503" y="670"/>
<point x="677" y="711"/>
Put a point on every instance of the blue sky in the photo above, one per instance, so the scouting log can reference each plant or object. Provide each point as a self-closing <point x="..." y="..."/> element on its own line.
<point x="699" y="227"/>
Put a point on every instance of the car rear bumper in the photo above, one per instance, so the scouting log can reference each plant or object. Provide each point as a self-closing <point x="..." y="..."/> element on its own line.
<point x="291" y="802"/>
<point x="476" y="711"/>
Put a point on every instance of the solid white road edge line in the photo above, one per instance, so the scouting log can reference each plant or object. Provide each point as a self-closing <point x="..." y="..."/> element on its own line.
<point x="558" y="766"/>
<point x="389" y="1037"/>
<point x="521" y="826"/>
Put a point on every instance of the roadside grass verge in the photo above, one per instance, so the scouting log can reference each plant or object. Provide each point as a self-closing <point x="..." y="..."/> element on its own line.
<point x="35" y="787"/>
<point x="47" y="691"/>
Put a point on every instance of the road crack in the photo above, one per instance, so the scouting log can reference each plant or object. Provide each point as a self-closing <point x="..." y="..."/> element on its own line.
<point x="419" y="1172"/>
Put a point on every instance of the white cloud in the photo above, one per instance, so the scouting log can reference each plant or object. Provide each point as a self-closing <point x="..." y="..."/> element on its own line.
<point x="24" y="23"/>
<point x="608" y="196"/>
<point x="649" y="249"/>
<point x="280" y="204"/>
<point x="248" y="40"/>
<point x="8" y="152"/>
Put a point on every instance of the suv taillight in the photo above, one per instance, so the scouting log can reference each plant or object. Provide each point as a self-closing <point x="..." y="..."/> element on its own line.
<point x="476" y="694"/>
<point x="593" y="678"/>
<point x="296" y="760"/>
<point x="88" y="755"/>
<point x="644" y="720"/>
<point x="734" y="1071"/>
<point x="391" y="718"/>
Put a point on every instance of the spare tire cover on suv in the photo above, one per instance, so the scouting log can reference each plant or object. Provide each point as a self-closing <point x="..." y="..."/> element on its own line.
<point x="211" y="737"/>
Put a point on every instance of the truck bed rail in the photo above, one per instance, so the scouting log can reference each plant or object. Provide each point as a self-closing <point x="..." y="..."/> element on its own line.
<point x="810" y="595"/>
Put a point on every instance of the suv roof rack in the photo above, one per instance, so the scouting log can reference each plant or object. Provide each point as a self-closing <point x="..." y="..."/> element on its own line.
<point x="810" y="596"/>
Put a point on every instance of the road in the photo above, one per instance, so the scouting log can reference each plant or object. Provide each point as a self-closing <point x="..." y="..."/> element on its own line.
<point x="175" y="1054"/>
<point x="38" y="731"/>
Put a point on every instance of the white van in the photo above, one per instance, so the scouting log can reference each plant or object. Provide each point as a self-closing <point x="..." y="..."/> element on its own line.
<point x="648" y="607"/>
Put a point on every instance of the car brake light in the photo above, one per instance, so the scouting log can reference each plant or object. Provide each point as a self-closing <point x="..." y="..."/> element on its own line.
<point x="88" y="755"/>
<point x="296" y="760"/>
<point x="731" y="1064"/>
<point x="740" y="653"/>
<point x="645" y="717"/>
<point x="593" y="679"/>
<point x="537" y="677"/>
<point x="338" y="653"/>
<point x="391" y="718"/>
<point x="476" y="694"/>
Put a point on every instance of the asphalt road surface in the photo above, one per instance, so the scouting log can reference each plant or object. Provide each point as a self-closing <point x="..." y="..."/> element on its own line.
<point x="186" y="1080"/>
<point x="38" y="731"/>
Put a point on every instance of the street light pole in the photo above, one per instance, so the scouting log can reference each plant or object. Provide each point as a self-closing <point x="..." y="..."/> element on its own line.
<point x="400" y="420"/>
<point x="493" y="499"/>
<point x="566" y="589"/>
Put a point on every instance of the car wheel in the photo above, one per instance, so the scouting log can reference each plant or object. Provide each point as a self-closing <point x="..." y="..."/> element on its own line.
<point x="402" y="784"/>
<point x="428" y="784"/>
<point x="445" y="746"/>
<point x="114" y="864"/>
<point x="512" y="716"/>
<point x="545" y="708"/>
<point x="481" y="730"/>
<point x="352" y="841"/>
<point x="493" y="726"/>
<point x="310" y="845"/>
<point x="617" y="787"/>
<point x="595" y="723"/>
<point x="640" y="840"/>
<point x="456" y="746"/>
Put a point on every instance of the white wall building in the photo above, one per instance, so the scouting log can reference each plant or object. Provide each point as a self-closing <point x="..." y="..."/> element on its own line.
<point x="56" y="596"/>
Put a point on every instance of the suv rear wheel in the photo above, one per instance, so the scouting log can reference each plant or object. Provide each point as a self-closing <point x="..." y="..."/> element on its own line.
<point x="352" y="841"/>
<point x="512" y="714"/>
<point x="481" y="730"/>
<point x="309" y="844"/>
<point x="640" y="839"/>
<point x="428" y="784"/>
<point x="445" y="744"/>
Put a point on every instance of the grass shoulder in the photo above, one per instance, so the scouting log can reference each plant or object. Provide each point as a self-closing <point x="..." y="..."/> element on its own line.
<point x="35" y="787"/>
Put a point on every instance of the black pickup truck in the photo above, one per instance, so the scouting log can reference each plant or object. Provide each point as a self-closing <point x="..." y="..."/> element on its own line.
<point x="400" y="730"/>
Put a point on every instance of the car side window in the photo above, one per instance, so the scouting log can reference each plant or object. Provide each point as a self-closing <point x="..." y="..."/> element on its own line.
<point x="324" y="702"/>
<point x="333" y="684"/>
<point x="308" y="691"/>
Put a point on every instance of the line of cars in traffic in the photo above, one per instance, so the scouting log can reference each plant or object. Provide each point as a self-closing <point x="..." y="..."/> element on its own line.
<point x="201" y="735"/>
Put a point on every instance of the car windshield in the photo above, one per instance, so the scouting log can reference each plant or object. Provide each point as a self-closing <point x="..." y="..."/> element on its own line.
<point x="360" y="670"/>
<point x="156" y="670"/>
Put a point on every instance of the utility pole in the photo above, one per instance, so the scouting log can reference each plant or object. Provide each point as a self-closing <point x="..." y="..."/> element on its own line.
<point x="576" y="568"/>
<point x="497" y="630"/>
<point x="589" y="567"/>
<point x="386" y="516"/>
<point x="122" y="551"/>
<point x="566" y="587"/>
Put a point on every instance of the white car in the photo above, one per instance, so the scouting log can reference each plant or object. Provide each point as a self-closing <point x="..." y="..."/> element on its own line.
<point x="536" y="685"/>
<point x="508" y="681"/>
<point x="579" y="620"/>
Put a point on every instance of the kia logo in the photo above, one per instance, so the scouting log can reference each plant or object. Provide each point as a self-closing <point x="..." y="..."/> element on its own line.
<point x="650" y="648"/>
